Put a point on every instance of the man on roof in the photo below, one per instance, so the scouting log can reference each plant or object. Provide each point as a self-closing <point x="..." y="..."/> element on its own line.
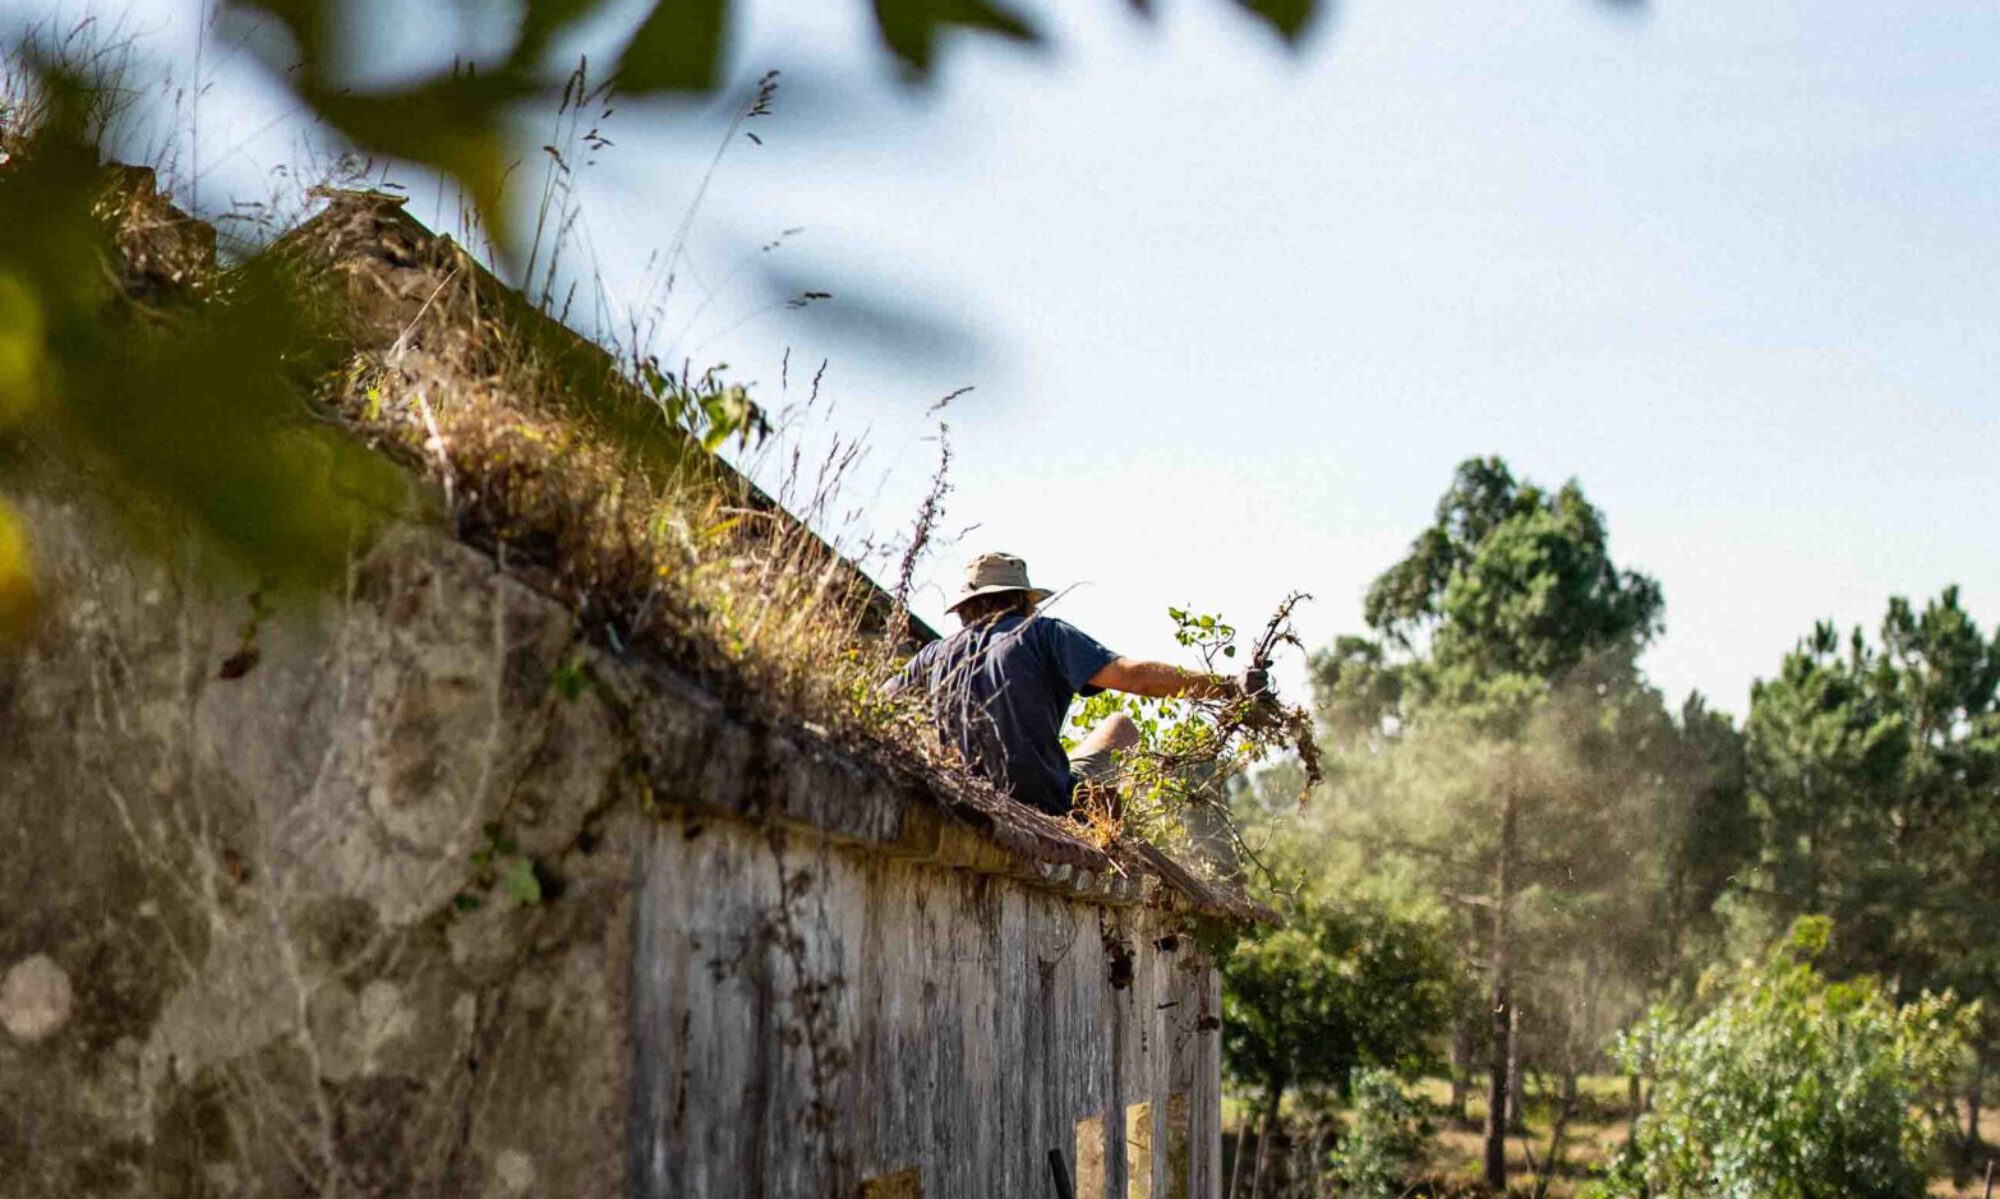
<point x="1000" y="688"/>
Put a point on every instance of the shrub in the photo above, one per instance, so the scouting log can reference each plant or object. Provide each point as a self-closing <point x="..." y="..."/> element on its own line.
<point x="1382" y="1140"/>
<point x="1790" y="1086"/>
<point x="1345" y="984"/>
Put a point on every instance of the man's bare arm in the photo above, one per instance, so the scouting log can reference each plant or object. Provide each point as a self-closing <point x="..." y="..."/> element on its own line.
<point x="1163" y="680"/>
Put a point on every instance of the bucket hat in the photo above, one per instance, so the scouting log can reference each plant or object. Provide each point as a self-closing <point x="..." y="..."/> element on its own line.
<point x="991" y="574"/>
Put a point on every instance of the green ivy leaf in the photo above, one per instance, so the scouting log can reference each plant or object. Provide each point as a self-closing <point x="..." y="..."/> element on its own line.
<point x="570" y="678"/>
<point x="519" y="883"/>
<point x="912" y="28"/>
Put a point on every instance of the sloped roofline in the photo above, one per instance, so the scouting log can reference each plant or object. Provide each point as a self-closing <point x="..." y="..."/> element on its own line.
<point x="882" y="604"/>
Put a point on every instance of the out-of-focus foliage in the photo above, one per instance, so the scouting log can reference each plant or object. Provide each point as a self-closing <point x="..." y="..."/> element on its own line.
<point x="1347" y="982"/>
<point x="1385" y="1133"/>
<point x="191" y="412"/>
<point x="1790" y="1086"/>
<point x="17" y="576"/>
<point x="456" y="120"/>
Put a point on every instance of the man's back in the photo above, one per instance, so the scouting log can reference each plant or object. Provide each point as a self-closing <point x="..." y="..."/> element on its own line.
<point x="1000" y="690"/>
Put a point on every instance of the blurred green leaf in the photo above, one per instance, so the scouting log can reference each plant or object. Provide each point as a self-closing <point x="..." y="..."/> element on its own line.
<point x="543" y="21"/>
<point x="201" y="409"/>
<point x="1288" y="17"/>
<point x="239" y="449"/>
<point x="22" y="331"/>
<point x="307" y="21"/>
<point x="677" y="48"/>
<point x="911" y="28"/>
<point x="17" y="577"/>
<point x="454" y="123"/>
<point x="519" y="883"/>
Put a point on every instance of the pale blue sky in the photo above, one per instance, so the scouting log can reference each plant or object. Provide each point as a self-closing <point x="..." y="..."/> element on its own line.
<point x="1233" y="315"/>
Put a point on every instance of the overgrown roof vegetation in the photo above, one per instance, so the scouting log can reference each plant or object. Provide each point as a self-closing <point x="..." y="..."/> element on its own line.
<point x="606" y="487"/>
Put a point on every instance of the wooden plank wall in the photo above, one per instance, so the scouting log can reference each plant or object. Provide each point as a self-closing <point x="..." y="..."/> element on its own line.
<point x="819" y="1020"/>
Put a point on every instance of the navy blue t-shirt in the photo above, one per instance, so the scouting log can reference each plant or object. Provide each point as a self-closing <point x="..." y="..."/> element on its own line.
<point x="1000" y="690"/>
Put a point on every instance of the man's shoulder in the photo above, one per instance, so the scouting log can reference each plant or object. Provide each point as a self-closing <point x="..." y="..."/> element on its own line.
<point x="1055" y="628"/>
<point x="1012" y="636"/>
<point x="1044" y="623"/>
<point x="1035" y="630"/>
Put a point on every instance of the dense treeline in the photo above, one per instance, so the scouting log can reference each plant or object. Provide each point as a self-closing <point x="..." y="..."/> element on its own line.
<point x="1504" y="781"/>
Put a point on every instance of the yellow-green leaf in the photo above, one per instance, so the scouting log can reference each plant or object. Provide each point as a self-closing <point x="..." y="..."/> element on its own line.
<point x="17" y="577"/>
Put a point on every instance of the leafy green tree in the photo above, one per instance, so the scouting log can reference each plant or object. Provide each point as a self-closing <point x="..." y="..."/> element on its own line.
<point x="1791" y="1086"/>
<point x="1507" y="595"/>
<point x="1875" y="770"/>
<point x="1826" y="750"/>
<point x="1943" y="676"/>
<point x="459" y="118"/>
<point x="1344" y="984"/>
<point x="1703" y="835"/>
<point x="1509" y="589"/>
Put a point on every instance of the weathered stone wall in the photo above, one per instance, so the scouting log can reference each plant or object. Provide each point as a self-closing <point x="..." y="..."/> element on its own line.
<point x="406" y="891"/>
<point x="241" y="951"/>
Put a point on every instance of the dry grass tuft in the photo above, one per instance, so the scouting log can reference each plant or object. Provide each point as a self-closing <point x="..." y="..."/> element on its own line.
<point x="544" y="451"/>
